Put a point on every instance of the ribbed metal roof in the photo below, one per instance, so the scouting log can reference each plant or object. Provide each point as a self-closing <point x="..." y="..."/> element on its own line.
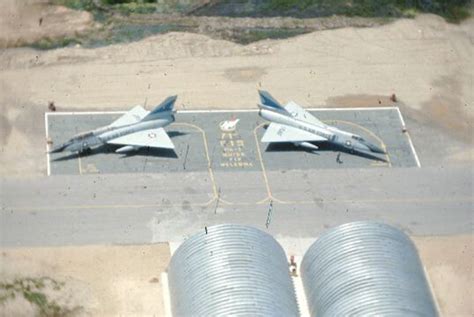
<point x="365" y="269"/>
<point x="232" y="270"/>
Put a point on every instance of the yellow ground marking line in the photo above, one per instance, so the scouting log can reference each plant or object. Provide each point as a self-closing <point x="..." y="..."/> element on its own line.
<point x="467" y="199"/>
<point x="378" y="164"/>
<point x="230" y="203"/>
<point x="392" y="200"/>
<point x="263" y="201"/>
<point x="206" y="150"/>
<point x="79" y="163"/>
<point x="264" y="171"/>
<point x="269" y="192"/>
<point x="46" y="126"/>
<point x="382" y="143"/>
<point x="118" y="206"/>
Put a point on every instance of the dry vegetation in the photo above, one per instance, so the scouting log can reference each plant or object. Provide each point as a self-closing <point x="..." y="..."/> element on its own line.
<point x="86" y="280"/>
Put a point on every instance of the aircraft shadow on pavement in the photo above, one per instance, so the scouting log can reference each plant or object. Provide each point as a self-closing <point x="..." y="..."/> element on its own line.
<point x="323" y="147"/>
<point x="148" y="151"/>
<point x="174" y="134"/>
<point x="109" y="149"/>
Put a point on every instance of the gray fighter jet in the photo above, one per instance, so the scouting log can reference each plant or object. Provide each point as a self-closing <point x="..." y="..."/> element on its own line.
<point x="135" y="129"/>
<point x="293" y="124"/>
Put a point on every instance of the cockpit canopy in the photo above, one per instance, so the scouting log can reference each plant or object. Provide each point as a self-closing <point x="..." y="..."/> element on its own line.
<point x="82" y="136"/>
<point x="358" y="138"/>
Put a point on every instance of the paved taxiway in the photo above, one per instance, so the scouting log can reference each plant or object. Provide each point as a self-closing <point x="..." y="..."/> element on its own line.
<point x="143" y="208"/>
<point x="220" y="176"/>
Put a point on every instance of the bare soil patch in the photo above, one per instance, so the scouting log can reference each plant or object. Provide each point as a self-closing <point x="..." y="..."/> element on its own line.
<point x="27" y="21"/>
<point x="449" y="265"/>
<point x="86" y="280"/>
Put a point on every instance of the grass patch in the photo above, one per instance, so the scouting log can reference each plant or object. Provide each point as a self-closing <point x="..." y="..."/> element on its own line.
<point x="48" y="43"/>
<point x="84" y="5"/>
<point x="131" y="20"/>
<point x="451" y="10"/>
<point x="34" y="291"/>
<point x="246" y="36"/>
<point x="135" y="8"/>
<point x="113" y="34"/>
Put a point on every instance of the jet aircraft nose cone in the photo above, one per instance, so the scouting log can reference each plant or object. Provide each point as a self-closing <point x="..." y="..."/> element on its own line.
<point x="376" y="149"/>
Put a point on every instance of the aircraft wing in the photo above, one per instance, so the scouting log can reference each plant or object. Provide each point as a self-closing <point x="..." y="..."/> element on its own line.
<point x="156" y="138"/>
<point x="133" y="116"/>
<point x="301" y="114"/>
<point x="283" y="133"/>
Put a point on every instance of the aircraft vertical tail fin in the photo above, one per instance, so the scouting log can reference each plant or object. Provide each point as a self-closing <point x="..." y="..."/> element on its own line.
<point x="163" y="108"/>
<point x="268" y="101"/>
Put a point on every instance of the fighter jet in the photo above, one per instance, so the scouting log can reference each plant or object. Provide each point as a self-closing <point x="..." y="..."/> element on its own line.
<point x="136" y="129"/>
<point x="295" y="125"/>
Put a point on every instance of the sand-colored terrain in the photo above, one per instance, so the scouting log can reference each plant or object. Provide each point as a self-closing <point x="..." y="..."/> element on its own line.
<point x="28" y="21"/>
<point x="98" y="280"/>
<point x="426" y="62"/>
<point x="449" y="264"/>
<point x="125" y="280"/>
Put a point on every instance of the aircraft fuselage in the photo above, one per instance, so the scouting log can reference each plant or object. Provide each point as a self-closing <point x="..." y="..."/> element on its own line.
<point x="97" y="137"/>
<point x="347" y="140"/>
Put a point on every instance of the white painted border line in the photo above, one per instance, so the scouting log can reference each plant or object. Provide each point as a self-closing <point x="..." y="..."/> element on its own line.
<point x="433" y="293"/>
<point x="410" y="142"/>
<point x="48" y="166"/>
<point x="401" y="118"/>
<point x="77" y="113"/>
<point x="220" y="111"/>
<point x="413" y="149"/>
<point x="166" y="294"/>
<point x="65" y="113"/>
<point x="310" y="109"/>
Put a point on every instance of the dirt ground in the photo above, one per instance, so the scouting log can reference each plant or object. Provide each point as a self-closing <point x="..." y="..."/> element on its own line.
<point x="426" y="62"/>
<point x="27" y="21"/>
<point x="125" y="280"/>
<point x="449" y="264"/>
<point x="98" y="280"/>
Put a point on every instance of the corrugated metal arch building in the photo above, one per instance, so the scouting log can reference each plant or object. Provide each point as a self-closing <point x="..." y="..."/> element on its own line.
<point x="365" y="269"/>
<point x="232" y="270"/>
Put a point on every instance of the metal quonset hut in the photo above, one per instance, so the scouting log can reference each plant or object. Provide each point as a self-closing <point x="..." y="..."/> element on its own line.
<point x="231" y="270"/>
<point x="365" y="268"/>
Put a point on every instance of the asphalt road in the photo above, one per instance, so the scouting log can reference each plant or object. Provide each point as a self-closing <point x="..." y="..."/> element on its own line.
<point x="144" y="208"/>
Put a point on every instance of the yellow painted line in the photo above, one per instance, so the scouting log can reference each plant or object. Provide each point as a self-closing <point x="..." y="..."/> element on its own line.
<point x="226" y="202"/>
<point x="206" y="150"/>
<point x="264" y="171"/>
<point x="46" y="126"/>
<point x="263" y="201"/>
<point x="80" y="163"/>
<point x="118" y="206"/>
<point x="382" y="143"/>
<point x="378" y="164"/>
<point x="270" y="194"/>
<point x="467" y="199"/>
<point x="388" y="200"/>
